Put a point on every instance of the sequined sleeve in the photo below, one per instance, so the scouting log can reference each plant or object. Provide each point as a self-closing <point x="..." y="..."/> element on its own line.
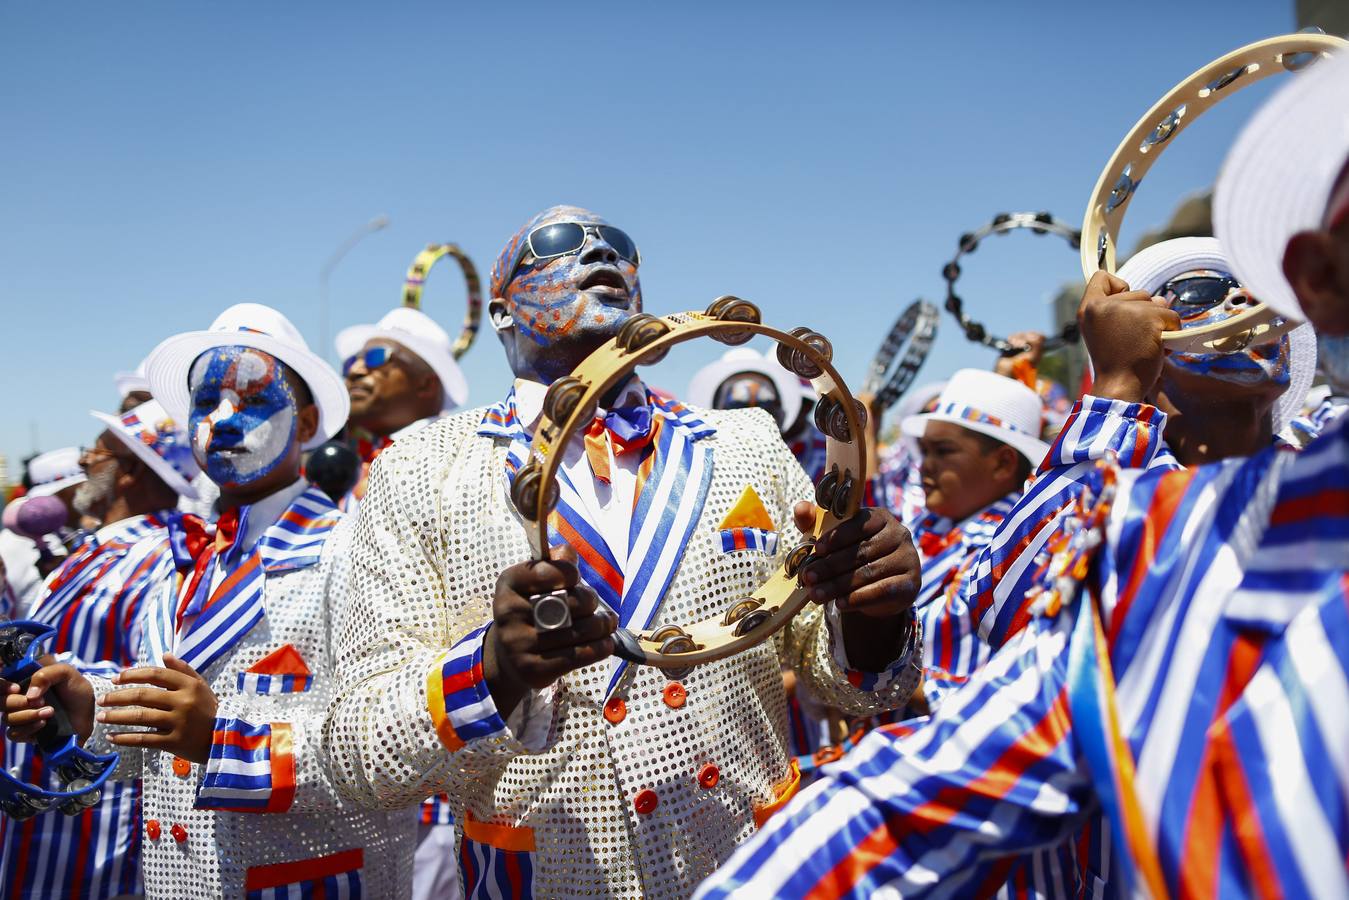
<point x="399" y="661"/>
<point x="810" y="646"/>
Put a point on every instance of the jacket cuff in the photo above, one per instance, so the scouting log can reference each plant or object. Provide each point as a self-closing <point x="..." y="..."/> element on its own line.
<point x="461" y="707"/>
<point x="1097" y="425"/>
<point x="251" y="768"/>
<point x="910" y="654"/>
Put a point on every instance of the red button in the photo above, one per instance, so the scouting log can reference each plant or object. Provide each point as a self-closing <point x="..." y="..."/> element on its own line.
<point x="708" y="776"/>
<point x="675" y="695"/>
<point x="179" y="832"/>
<point x="615" y="710"/>
<point x="181" y="767"/>
<point x="152" y="829"/>
<point x="646" y="802"/>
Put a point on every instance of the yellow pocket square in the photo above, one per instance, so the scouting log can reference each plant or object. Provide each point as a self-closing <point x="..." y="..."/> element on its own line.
<point x="748" y="512"/>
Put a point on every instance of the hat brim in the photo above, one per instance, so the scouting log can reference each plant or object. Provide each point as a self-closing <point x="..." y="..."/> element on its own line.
<point x="1032" y="448"/>
<point x="453" y="384"/>
<point x="171" y="476"/>
<point x="128" y="382"/>
<point x="55" y="487"/>
<point x="1278" y="177"/>
<point x="168" y="366"/>
<point x="1152" y="267"/>
<point x="703" y="387"/>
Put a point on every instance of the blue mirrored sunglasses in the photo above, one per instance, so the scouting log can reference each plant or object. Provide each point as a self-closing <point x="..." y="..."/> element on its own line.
<point x="372" y="359"/>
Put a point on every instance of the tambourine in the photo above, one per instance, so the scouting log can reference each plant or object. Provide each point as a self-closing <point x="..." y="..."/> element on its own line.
<point x="570" y="406"/>
<point x="416" y="280"/>
<point x="913" y="332"/>
<point x="1140" y="148"/>
<point x="1038" y="223"/>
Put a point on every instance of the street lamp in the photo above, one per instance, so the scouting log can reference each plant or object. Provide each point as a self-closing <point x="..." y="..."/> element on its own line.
<point x="377" y="223"/>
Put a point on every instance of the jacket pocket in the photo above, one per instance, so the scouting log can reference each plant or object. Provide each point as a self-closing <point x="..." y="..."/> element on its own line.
<point x="745" y="538"/>
<point x="496" y="860"/>
<point x="335" y="875"/>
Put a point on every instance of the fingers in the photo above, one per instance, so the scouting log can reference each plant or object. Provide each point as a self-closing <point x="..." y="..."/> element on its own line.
<point x="165" y="678"/>
<point x="142" y="739"/>
<point x="804" y="514"/>
<point x="577" y="656"/>
<point x="49" y="677"/>
<point x="586" y="630"/>
<point x="865" y="523"/>
<point x="138" y="715"/>
<point x="882" y="598"/>
<point x="564" y="552"/>
<point x="148" y="697"/>
<point x="177" y="665"/>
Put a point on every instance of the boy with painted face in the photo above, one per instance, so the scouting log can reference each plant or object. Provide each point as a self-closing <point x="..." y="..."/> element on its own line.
<point x="136" y="471"/>
<point x="572" y="772"/>
<point x="236" y="667"/>
<point x="1190" y="701"/>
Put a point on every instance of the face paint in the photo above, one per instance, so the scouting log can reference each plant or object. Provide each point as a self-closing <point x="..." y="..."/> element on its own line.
<point x="1268" y="363"/>
<point x="577" y="295"/>
<point x="749" y="389"/>
<point x="242" y="418"/>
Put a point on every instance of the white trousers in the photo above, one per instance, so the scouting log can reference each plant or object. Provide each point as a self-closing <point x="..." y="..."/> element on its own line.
<point x="435" y="867"/>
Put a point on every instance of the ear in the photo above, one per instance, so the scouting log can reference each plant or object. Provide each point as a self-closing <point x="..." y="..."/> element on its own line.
<point x="1006" y="462"/>
<point x="307" y="423"/>
<point x="428" y="385"/>
<point x="131" y="474"/>
<point x="499" y="314"/>
<point x="1310" y="265"/>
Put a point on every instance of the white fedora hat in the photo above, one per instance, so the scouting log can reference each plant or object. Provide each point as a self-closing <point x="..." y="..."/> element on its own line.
<point x="262" y="328"/>
<point x="418" y="332"/>
<point x="1278" y="176"/>
<point x="990" y="404"/>
<point x="55" y="471"/>
<point x="158" y="441"/>
<point x="1152" y="267"/>
<point x="703" y="387"/>
<point x="127" y="382"/>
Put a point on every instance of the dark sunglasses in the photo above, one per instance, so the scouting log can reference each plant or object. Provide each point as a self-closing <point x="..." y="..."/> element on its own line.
<point x="562" y="238"/>
<point x="372" y="358"/>
<point x="1197" y="293"/>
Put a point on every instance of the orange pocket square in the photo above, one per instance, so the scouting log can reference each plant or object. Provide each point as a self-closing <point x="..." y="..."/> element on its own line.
<point x="748" y="512"/>
<point x="283" y="671"/>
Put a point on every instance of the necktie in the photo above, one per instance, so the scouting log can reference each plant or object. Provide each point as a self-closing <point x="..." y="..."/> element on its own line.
<point x="204" y="549"/>
<point x="626" y="430"/>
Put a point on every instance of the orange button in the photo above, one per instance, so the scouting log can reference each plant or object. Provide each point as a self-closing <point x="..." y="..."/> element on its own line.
<point x="179" y="832"/>
<point x="646" y="802"/>
<point x="152" y="829"/>
<point x="675" y="695"/>
<point x="615" y="710"/>
<point x="181" y="767"/>
<point x="708" y="776"/>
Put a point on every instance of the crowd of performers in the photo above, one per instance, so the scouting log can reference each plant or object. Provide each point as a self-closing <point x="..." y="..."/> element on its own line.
<point x="1094" y="655"/>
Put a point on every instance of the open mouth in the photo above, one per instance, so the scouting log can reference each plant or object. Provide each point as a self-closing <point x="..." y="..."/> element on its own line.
<point x="605" y="280"/>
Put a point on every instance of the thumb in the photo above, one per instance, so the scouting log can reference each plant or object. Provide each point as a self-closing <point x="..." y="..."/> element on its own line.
<point x="177" y="665"/>
<point x="564" y="552"/>
<point x="804" y="514"/>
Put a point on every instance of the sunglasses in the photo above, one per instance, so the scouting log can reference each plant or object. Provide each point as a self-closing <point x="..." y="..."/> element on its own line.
<point x="372" y="358"/>
<point x="1197" y="293"/>
<point x="562" y="238"/>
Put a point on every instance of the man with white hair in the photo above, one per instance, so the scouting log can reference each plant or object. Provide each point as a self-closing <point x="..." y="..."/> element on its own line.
<point x="1193" y="697"/>
<point x="401" y="376"/>
<point x="136" y="471"/>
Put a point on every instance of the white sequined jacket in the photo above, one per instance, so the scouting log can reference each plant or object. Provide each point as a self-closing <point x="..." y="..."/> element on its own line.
<point x="261" y="818"/>
<point x="642" y="784"/>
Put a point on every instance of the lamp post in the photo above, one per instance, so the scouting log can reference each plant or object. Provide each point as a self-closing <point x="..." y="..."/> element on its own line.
<point x="377" y="223"/>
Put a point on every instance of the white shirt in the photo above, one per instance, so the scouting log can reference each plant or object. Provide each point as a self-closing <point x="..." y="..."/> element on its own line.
<point x="607" y="507"/>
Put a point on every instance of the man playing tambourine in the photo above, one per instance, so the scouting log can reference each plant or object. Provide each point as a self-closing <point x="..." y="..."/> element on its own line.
<point x="572" y="771"/>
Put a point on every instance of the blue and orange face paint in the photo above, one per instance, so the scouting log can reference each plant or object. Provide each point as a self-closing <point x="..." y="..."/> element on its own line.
<point x="242" y="416"/>
<point x="544" y="297"/>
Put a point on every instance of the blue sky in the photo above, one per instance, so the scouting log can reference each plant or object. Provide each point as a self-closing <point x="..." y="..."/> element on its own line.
<point x="163" y="160"/>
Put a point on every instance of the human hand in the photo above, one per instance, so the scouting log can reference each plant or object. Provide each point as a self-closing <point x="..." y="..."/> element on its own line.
<point x="27" y="711"/>
<point x="1123" y="332"/>
<point x="180" y="709"/>
<point x="1033" y="341"/>
<point x="517" y="655"/>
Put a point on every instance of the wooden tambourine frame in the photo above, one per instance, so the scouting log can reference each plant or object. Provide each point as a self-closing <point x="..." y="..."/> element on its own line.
<point x="1140" y="148"/>
<point x="570" y="406"/>
<point x="416" y="280"/>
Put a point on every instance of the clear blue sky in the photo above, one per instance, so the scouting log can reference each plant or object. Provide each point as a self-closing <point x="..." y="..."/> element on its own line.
<point x="162" y="160"/>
